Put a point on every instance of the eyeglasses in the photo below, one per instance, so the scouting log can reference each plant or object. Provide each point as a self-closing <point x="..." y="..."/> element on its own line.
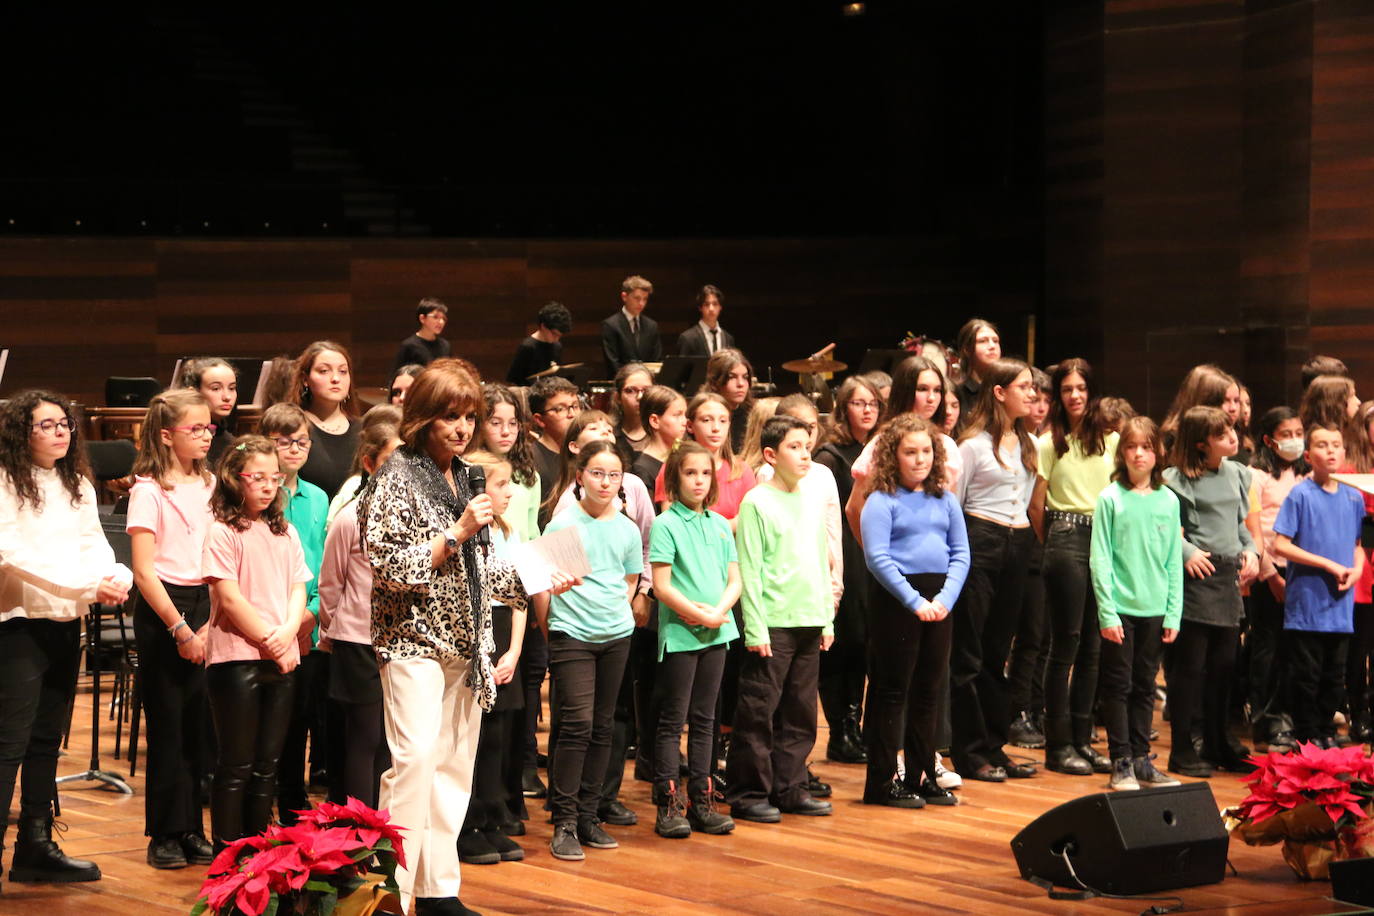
<point x="284" y="444"/>
<point x="566" y="410"/>
<point x="197" y="430"/>
<point x="259" y="479"/>
<point x="865" y="405"/>
<point x="636" y="391"/>
<point x="49" y="427"/>
<point x="608" y="476"/>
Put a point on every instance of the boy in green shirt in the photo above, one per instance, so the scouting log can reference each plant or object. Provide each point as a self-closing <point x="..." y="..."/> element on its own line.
<point x="788" y="621"/>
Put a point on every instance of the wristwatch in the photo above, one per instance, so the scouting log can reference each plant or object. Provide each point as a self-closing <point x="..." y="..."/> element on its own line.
<point x="450" y="541"/>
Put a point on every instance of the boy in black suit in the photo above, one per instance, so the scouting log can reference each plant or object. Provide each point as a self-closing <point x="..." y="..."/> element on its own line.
<point x="628" y="336"/>
<point x="706" y="336"/>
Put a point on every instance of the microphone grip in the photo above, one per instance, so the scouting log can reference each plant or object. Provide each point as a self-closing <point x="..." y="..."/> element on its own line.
<point x="477" y="485"/>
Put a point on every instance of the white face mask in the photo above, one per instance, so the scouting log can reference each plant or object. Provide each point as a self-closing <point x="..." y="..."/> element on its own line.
<point x="1289" y="449"/>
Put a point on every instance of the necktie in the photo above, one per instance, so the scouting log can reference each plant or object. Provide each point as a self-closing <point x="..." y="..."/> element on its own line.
<point x="715" y="344"/>
<point x="634" y="328"/>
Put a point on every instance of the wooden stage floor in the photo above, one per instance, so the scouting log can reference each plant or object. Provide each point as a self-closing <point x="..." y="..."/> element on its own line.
<point x="861" y="860"/>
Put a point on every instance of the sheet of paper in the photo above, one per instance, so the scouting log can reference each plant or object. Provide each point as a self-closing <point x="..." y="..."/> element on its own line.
<point x="1362" y="482"/>
<point x="536" y="560"/>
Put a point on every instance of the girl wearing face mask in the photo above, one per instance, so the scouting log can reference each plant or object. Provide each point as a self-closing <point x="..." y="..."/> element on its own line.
<point x="1277" y="466"/>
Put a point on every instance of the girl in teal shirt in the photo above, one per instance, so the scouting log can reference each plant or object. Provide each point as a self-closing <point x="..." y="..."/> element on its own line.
<point x="589" y="629"/>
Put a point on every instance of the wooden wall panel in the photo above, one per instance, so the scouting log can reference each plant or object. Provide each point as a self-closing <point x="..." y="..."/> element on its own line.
<point x="74" y="313"/>
<point x="1342" y="168"/>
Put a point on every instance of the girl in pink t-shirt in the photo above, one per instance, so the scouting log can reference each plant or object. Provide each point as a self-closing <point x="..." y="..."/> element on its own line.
<point x="708" y="423"/>
<point x="169" y="515"/>
<point x="256" y="571"/>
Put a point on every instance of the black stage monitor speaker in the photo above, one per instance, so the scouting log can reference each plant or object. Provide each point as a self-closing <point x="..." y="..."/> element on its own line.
<point x="1352" y="881"/>
<point x="1128" y="842"/>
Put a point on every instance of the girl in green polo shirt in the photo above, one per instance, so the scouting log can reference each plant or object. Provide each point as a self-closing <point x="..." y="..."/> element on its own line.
<point x="697" y="582"/>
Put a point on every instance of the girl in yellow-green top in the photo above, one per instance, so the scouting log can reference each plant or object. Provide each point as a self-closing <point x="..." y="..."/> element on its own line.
<point x="1077" y="457"/>
<point x="696" y="581"/>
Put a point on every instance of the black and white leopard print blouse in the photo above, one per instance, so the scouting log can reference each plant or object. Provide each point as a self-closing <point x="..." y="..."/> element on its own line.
<point x="419" y="611"/>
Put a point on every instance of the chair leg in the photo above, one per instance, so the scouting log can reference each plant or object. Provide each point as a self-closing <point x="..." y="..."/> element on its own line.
<point x="117" y="696"/>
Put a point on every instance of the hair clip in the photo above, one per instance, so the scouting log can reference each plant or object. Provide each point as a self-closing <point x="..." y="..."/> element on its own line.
<point x="242" y="447"/>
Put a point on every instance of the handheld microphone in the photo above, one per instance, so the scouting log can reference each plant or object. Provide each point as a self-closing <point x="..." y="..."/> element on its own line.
<point x="477" y="484"/>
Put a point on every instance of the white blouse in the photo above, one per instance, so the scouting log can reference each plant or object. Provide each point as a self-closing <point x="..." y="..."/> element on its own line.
<point x="997" y="491"/>
<point x="52" y="559"/>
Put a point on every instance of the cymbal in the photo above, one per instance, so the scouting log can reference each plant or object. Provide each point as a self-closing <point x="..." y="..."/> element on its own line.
<point x="811" y="366"/>
<point x="555" y="369"/>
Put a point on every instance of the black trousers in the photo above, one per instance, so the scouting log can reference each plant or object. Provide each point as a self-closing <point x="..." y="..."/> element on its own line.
<point x="685" y="692"/>
<point x="635" y="719"/>
<point x="175" y="707"/>
<point x="986" y="617"/>
<point x="1269" y="713"/>
<point x="251" y="704"/>
<point x="1316" y="678"/>
<point x="1200" y="677"/>
<point x="1030" y="649"/>
<point x="311" y="682"/>
<point x="908" y="664"/>
<point x="1128" y="675"/>
<point x="775" y="720"/>
<point x="38" y="665"/>
<point x="534" y="664"/>
<point x="1358" y="655"/>
<point x="586" y="681"/>
<point x="489" y="806"/>
<point x="1071" y="677"/>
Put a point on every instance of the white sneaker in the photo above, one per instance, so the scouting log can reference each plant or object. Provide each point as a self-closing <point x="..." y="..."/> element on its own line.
<point x="946" y="779"/>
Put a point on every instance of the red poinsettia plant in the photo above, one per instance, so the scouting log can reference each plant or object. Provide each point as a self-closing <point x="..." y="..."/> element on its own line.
<point x="331" y="852"/>
<point x="1339" y="781"/>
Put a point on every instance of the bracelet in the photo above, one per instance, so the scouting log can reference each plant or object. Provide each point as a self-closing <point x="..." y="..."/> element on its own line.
<point x="176" y="626"/>
<point x="182" y="642"/>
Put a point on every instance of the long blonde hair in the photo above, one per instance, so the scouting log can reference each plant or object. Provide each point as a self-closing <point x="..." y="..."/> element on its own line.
<point x="488" y="462"/>
<point x="155" y="458"/>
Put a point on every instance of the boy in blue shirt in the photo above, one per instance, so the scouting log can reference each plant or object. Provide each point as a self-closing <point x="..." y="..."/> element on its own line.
<point x="1318" y="531"/>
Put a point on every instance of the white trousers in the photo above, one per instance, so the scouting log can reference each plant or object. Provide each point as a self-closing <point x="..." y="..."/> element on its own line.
<point x="432" y="724"/>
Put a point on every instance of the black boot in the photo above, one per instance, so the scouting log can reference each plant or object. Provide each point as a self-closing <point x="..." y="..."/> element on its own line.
<point x="853" y="735"/>
<point x="671" y="821"/>
<point x="837" y="748"/>
<point x="702" y="814"/>
<point x="37" y="858"/>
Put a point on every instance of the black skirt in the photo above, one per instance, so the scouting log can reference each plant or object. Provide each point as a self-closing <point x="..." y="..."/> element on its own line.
<point x="353" y="674"/>
<point x="1215" y="600"/>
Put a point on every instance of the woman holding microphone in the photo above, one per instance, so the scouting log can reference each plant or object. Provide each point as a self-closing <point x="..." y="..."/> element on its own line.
<point x="433" y="584"/>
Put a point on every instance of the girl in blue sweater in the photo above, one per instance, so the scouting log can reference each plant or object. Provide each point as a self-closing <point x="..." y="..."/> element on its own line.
<point x="916" y="546"/>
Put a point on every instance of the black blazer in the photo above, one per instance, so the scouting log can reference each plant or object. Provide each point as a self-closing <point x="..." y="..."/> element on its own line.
<point x="692" y="342"/>
<point x="620" y="348"/>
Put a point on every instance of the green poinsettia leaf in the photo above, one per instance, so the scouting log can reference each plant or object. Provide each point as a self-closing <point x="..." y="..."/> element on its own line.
<point x="200" y="907"/>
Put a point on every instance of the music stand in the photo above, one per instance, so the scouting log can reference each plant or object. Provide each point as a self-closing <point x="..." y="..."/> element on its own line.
<point x="685" y="374"/>
<point x="112" y="525"/>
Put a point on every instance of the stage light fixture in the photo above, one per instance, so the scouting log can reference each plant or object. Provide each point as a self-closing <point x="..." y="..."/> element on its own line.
<point x="854" y="9"/>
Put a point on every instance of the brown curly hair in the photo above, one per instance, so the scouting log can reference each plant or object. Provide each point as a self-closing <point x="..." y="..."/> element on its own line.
<point x="16" y="456"/>
<point x="886" y="476"/>
<point x="226" y="503"/>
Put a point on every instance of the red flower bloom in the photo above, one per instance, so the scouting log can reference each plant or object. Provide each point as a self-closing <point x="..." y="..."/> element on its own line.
<point x="1325" y="777"/>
